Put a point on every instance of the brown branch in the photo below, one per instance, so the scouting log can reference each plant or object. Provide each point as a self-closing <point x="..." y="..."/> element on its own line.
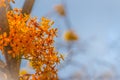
<point x="27" y="7"/>
<point x="2" y="66"/>
<point x="12" y="65"/>
<point x="3" y="20"/>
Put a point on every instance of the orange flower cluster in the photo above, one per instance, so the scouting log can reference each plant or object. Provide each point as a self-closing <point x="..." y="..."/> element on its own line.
<point x="70" y="35"/>
<point x="32" y="40"/>
<point x="2" y="2"/>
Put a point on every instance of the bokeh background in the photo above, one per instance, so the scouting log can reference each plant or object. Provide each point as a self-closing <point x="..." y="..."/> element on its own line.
<point x="93" y="52"/>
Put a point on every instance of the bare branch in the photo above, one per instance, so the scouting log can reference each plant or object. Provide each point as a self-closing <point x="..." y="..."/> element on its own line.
<point x="3" y="20"/>
<point x="10" y="62"/>
<point x="4" y="26"/>
<point x="27" y="8"/>
<point x="2" y="65"/>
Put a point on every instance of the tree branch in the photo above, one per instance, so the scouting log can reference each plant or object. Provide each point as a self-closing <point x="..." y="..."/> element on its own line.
<point x="12" y="65"/>
<point x="28" y="5"/>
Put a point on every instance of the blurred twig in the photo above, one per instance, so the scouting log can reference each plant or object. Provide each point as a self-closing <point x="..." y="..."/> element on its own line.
<point x="66" y="18"/>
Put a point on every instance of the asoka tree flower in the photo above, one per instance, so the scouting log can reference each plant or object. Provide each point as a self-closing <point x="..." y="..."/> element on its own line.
<point x="32" y="40"/>
<point x="60" y="9"/>
<point x="2" y="2"/>
<point x="23" y="72"/>
<point x="70" y="35"/>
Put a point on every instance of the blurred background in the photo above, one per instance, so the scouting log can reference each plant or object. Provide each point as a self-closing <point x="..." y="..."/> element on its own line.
<point x="88" y="37"/>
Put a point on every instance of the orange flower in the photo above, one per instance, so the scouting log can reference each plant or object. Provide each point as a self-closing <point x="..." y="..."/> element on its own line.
<point x="70" y="36"/>
<point x="3" y="40"/>
<point x="23" y="72"/>
<point x="33" y="41"/>
<point x="2" y="2"/>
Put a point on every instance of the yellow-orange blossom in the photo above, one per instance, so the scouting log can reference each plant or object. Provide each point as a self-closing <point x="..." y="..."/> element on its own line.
<point x="32" y="40"/>
<point x="2" y="2"/>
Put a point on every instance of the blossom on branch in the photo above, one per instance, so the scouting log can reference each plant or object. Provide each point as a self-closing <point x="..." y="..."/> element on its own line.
<point x="32" y="40"/>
